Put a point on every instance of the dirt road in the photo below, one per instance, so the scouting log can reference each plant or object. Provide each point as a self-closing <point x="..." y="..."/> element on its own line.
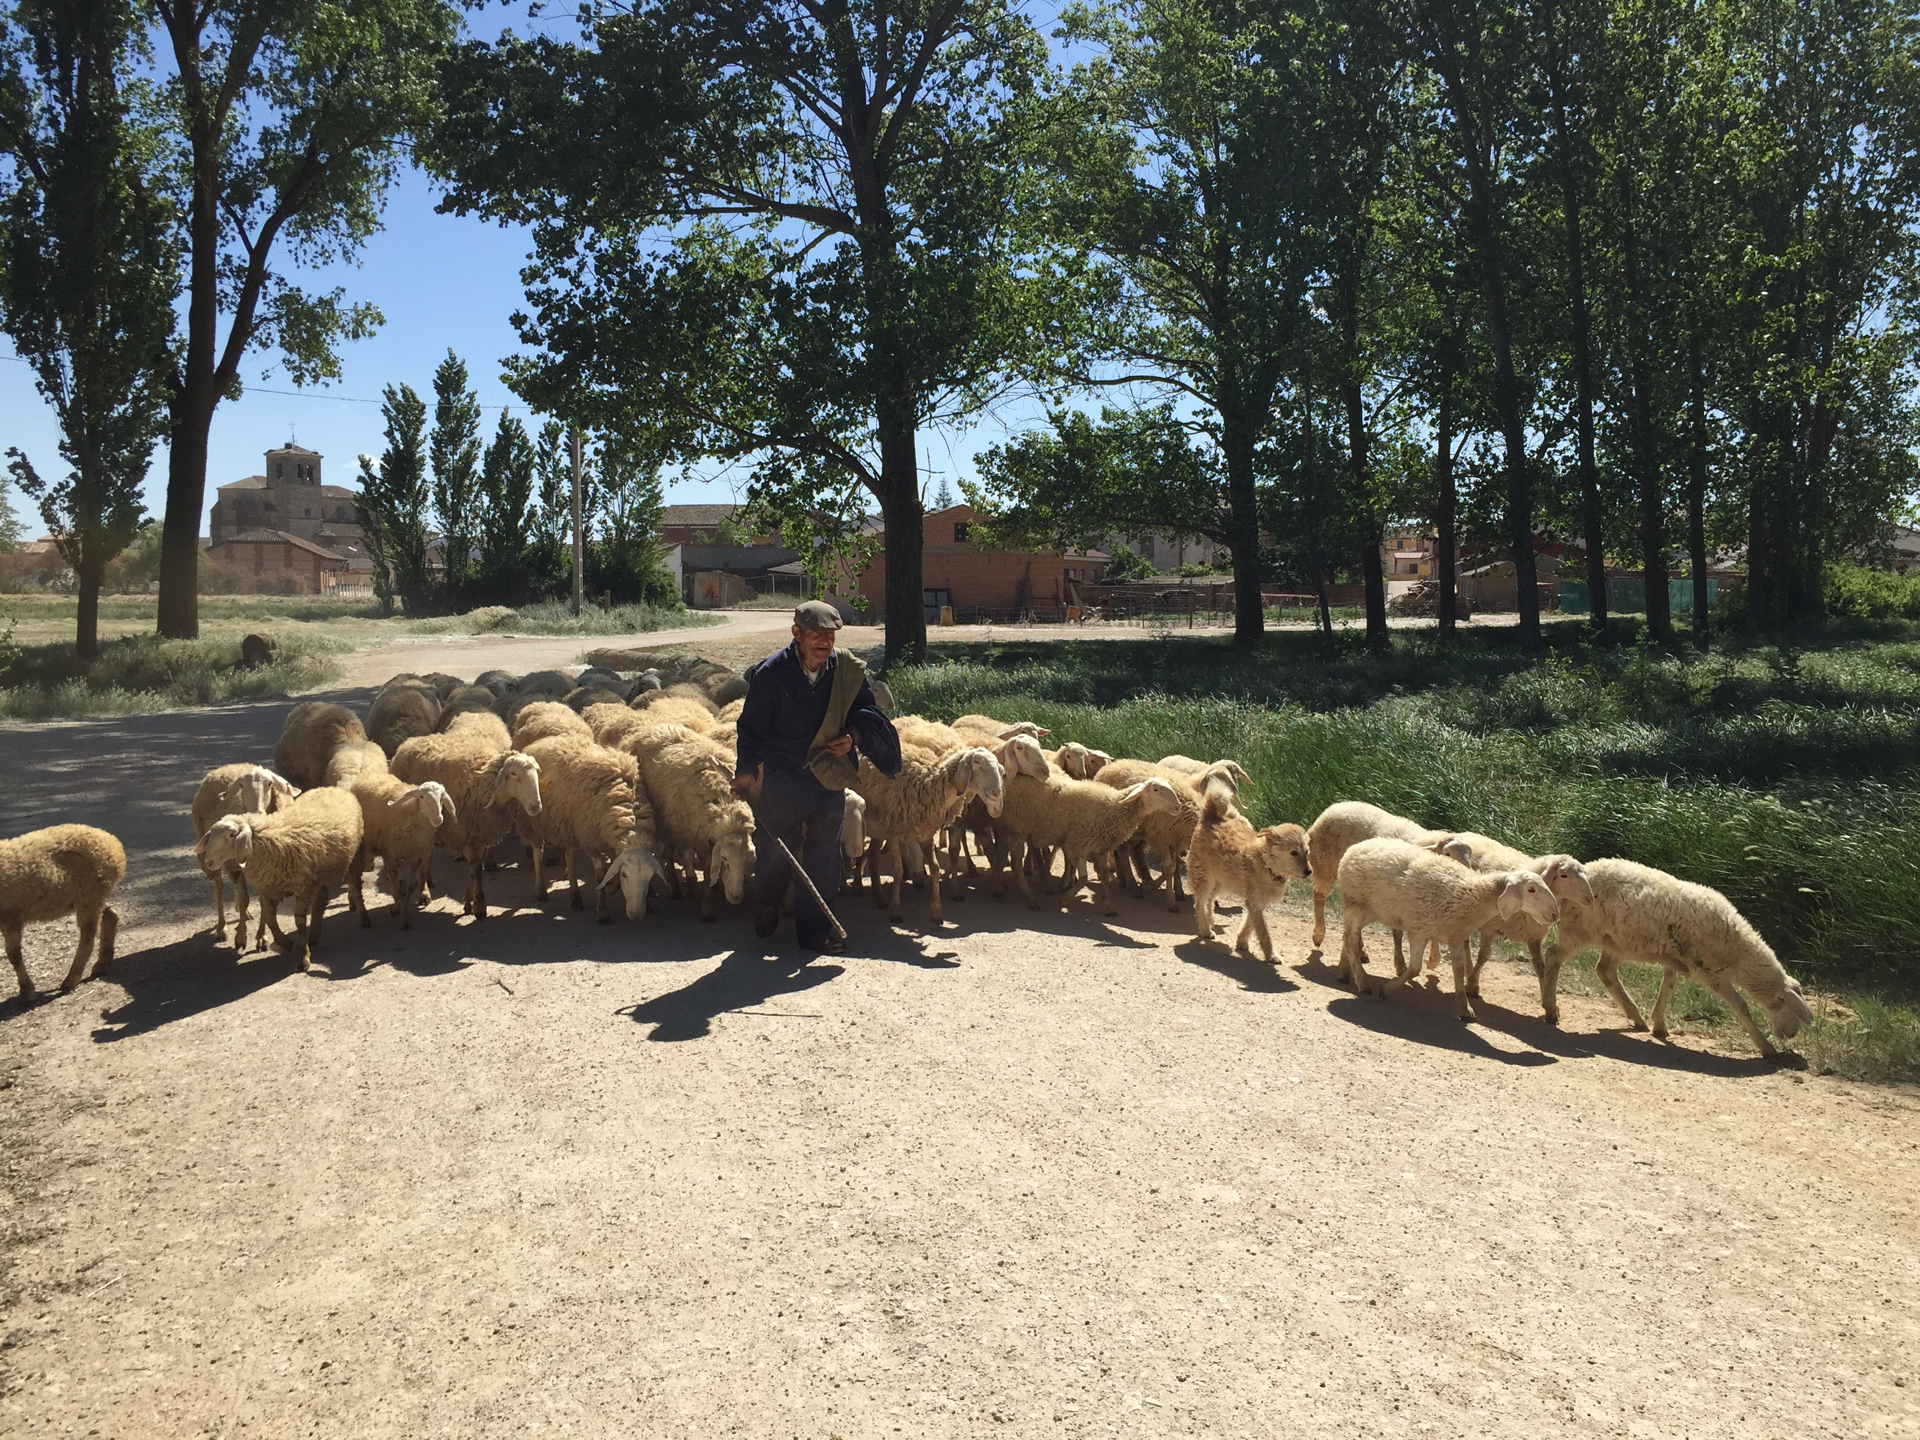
<point x="1029" y="1175"/>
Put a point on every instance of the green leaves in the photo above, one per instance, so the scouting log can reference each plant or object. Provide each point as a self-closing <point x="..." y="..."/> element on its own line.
<point x="392" y="506"/>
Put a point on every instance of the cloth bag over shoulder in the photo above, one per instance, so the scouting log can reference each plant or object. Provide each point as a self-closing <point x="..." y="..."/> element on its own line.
<point x="837" y="772"/>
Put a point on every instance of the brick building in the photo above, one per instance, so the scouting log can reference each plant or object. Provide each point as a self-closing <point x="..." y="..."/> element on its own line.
<point x="958" y="571"/>
<point x="264" y="553"/>
<point x="290" y="498"/>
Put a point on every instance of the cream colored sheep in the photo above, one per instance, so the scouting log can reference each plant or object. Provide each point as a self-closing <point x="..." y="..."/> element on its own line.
<point x="1166" y="833"/>
<point x="51" y="874"/>
<point x="400" y="826"/>
<point x="485" y="780"/>
<point x="1341" y="825"/>
<point x="853" y="839"/>
<point x="1085" y="819"/>
<point x="353" y="760"/>
<point x="1407" y="888"/>
<point x="592" y="806"/>
<point x="701" y="823"/>
<point x="545" y="718"/>
<point x="662" y="708"/>
<point x="981" y="728"/>
<point x="1198" y="770"/>
<point x="314" y="729"/>
<point x="694" y="694"/>
<point x="297" y="851"/>
<point x="1227" y="856"/>
<point x="1566" y="877"/>
<point x="236" y="790"/>
<point x="1646" y="916"/>
<point x="931" y="735"/>
<point x="923" y="799"/>
<point x="402" y="710"/>
<point x="1078" y="761"/>
<point x="730" y="712"/>
<point x="482" y="726"/>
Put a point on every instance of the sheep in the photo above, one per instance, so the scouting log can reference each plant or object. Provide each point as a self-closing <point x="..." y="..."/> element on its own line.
<point x="313" y="731"/>
<point x="599" y="675"/>
<point x="1085" y="819"/>
<point x="1345" y="823"/>
<point x="550" y="683"/>
<point x="1227" y="856"/>
<point x="483" y="778"/>
<point x="1401" y="885"/>
<point x="853" y="838"/>
<point x="353" y="760"/>
<point x="924" y="798"/>
<point x="932" y="736"/>
<point x="1078" y="761"/>
<point x="700" y="821"/>
<point x="646" y="680"/>
<point x="1648" y="917"/>
<point x="592" y="802"/>
<point x="299" y="851"/>
<point x="400" y="711"/>
<point x="468" y="700"/>
<point x="544" y="718"/>
<point x="692" y="694"/>
<point x="730" y="712"/>
<point x="51" y="874"/>
<point x="1197" y="770"/>
<point x="1167" y="833"/>
<point x="400" y="825"/>
<point x="1019" y="754"/>
<point x="659" y="706"/>
<point x="236" y="790"/>
<point x="1566" y="877"/>
<point x="727" y="733"/>
<point x="974" y="726"/>
<point x="444" y="684"/>
<point x="481" y="725"/>
<point x="578" y="699"/>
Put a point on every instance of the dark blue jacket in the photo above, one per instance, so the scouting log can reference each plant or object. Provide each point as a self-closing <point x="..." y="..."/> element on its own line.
<point x="783" y="714"/>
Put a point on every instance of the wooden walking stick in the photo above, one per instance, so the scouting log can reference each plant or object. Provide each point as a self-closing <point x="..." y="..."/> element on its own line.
<point x="812" y="889"/>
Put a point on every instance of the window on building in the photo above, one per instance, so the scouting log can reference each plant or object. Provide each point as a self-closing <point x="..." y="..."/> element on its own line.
<point x="279" y="470"/>
<point x="960" y="534"/>
<point x="932" y="600"/>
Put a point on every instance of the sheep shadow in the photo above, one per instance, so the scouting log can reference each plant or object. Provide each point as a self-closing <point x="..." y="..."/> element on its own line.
<point x="1617" y="1042"/>
<point x="1222" y="959"/>
<point x="742" y="980"/>
<point x="185" y="978"/>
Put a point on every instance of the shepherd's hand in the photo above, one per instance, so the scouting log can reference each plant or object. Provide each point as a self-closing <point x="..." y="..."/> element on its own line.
<point x="840" y="744"/>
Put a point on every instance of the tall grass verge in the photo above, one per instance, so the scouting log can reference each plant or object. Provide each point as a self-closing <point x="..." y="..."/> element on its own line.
<point x="557" y="618"/>
<point x="142" y="674"/>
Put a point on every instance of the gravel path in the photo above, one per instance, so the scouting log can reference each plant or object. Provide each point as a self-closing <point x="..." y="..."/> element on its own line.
<point x="1034" y="1174"/>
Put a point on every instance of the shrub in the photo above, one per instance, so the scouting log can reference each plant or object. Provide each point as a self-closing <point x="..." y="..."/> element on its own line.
<point x="1854" y="590"/>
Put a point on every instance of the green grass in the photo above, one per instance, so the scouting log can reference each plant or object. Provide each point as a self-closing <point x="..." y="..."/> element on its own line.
<point x="1786" y="774"/>
<point x="557" y="618"/>
<point x="141" y="674"/>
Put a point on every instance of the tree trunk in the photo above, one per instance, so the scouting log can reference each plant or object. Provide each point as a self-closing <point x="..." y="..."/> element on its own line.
<point x="1697" y="490"/>
<point x="1370" y="572"/>
<point x="1593" y="519"/>
<point x="1646" y="465"/>
<point x="905" y="613"/>
<point x="1443" y="513"/>
<point x="1243" y="536"/>
<point x="86" y="636"/>
<point x="179" y="606"/>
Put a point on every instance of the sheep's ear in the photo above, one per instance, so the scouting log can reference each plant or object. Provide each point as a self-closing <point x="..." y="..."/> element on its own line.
<point x="243" y="844"/>
<point x="200" y="846"/>
<point x="1511" y="895"/>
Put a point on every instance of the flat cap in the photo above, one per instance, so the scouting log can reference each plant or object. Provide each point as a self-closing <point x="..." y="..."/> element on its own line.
<point x="816" y="615"/>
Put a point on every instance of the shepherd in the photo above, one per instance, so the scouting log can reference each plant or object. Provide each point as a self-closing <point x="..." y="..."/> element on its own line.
<point x="809" y="716"/>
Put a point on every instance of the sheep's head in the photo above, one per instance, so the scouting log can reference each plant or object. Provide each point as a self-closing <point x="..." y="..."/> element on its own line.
<point x="1567" y="878"/>
<point x="432" y="799"/>
<point x="1788" y="1010"/>
<point x="1526" y="891"/>
<point x="1152" y="795"/>
<point x="228" y="841"/>
<point x="256" y="791"/>
<point x="1080" y="762"/>
<point x="634" y="871"/>
<point x="731" y="863"/>
<point x="1231" y="769"/>
<point x="1284" y="850"/>
<point x="1453" y="848"/>
<point x="1023" y="727"/>
<point x="882" y="694"/>
<point x="853" y="826"/>
<point x="976" y="772"/>
<point x="1024" y="757"/>
<point x="518" y="779"/>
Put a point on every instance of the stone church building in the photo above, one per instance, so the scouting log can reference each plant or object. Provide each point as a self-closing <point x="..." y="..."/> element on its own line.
<point x="290" y="498"/>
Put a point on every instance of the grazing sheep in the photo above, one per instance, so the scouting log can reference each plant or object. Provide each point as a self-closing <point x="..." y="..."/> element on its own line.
<point x="592" y="804"/>
<point x="469" y="700"/>
<point x="701" y="823"/>
<point x="353" y="760"/>
<point x="923" y="799"/>
<point x="237" y="790"/>
<point x="400" y="826"/>
<point x="1646" y="916"/>
<point x="1084" y="818"/>
<point x="313" y="731"/>
<point x="485" y="779"/>
<point x="402" y="710"/>
<point x="1394" y="883"/>
<point x="51" y="874"/>
<point x="545" y="718"/>
<point x="1566" y="877"/>
<point x="297" y="851"/>
<point x="659" y="706"/>
<point x="1198" y="770"/>
<point x="481" y="725"/>
<point x="1229" y="857"/>
<point x="1345" y="823"/>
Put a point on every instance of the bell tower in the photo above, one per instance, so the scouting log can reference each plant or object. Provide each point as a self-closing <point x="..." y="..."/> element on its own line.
<point x="293" y="465"/>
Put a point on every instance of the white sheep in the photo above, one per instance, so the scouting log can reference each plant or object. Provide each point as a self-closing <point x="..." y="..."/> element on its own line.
<point x="400" y="826"/>
<point x="51" y="874"/>
<point x="484" y="779"/>
<point x="1227" y="856"/>
<point x="592" y="804"/>
<point x="1646" y="916"/>
<point x="1085" y="819"/>
<point x="313" y="731"/>
<point x="297" y="851"/>
<point x="1198" y="770"/>
<point x="1166" y="833"/>
<point x="1343" y="824"/>
<point x="1428" y="896"/>
<point x="853" y="838"/>
<point x="544" y="718"/>
<point x="701" y="823"/>
<point x="480" y="725"/>
<point x="404" y="708"/>
<point x="1566" y="877"/>
<point x="924" y="798"/>
<point x="1078" y="761"/>
<point x="234" y="790"/>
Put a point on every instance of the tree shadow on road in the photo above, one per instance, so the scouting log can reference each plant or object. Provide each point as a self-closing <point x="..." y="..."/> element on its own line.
<point x="744" y="979"/>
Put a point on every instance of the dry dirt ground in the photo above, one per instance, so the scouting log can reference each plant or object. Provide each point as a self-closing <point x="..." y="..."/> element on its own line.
<point x="1030" y="1174"/>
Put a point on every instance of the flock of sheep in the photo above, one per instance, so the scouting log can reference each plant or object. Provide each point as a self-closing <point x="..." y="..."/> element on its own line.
<point x="627" y="780"/>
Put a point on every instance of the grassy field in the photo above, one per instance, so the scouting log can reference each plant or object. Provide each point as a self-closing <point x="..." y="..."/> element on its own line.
<point x="41" y="678"/>
<point x="1785" y="774"/>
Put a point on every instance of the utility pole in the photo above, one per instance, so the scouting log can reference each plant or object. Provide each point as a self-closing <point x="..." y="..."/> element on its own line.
<point x="578" y="558"/>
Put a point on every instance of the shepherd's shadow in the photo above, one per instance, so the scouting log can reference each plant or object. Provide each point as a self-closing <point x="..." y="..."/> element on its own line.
<point x="743" y="979"/>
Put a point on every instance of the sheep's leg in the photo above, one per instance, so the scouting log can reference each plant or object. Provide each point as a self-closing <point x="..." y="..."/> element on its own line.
<point x="240" y="896"/>
<point x="933" y="880"/>
<point x="89" y="927"/>
<point x="539" y="873"/>
<point x="1609" y="972"/>
<point x="1021" y="853"/>
<point x="478" y="870"/>
<point x="300" y="932"/>
<point x="1171" y="879"/>
<point x="1462" y="978"/>
<point x="1319" y="916"/>
<point x="1433" y="959"/>
<point x="270" y="917"/>
<point x="1356" y="957"/>
<point x="1737" y="1003"/>
<point x="220" y="903"/>
<point x="1480" y="963"/>
<point x="314" y="914"/>
<point x="1667" y="980"/>
<point x="573" y="891"/>
<point x="1402" y="975"/>
<point x="109" y="929"/>
<point x="894" y="912"/>
<point x="1549" y="983"/>
<point x="710" y="900"/>
<point x="357" y="902"/>
<point x="406" y="885"/>
<point x="1202" y="907"/>
<point x="19" y="961"/>
<point x="1399" y="960"/>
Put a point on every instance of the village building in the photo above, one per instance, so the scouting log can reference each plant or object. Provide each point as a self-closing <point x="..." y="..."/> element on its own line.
<point x="291" y="498"/>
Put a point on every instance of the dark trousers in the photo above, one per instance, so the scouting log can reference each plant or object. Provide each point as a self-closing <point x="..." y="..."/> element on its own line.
<point x="796" y="808"/>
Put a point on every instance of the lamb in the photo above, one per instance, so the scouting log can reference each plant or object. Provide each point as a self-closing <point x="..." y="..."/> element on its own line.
<point x="1566" y="877"/>
<point x="1400" y="885"/>
<point x="298" y="851"/>
<point x="313" y="731"/>
<point x="1084" y="818"/>
<point x="402" y="709"/>
<point x="544" y="718"/>
<point x="592" y="802"/>
<point x="1649" y="917"/>
<point x="1345" y="823"/>
<point x="400" y="825"/>
<point x="484" y="779"/>
<point x="1229" y="857"/>
<point x="924" y="798"/>
<point x="235" y="790"/>
<point x="689" y="777"/>
<point x="51" y="874"/>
